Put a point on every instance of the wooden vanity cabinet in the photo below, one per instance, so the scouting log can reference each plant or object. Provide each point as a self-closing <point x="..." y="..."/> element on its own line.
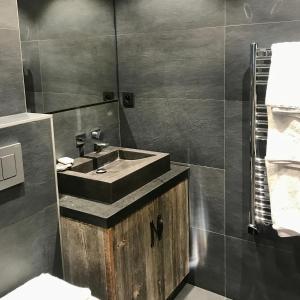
<point x="120" y="262"/>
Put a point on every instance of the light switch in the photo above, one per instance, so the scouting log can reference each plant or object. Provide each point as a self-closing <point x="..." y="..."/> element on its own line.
<point x="8" y="166"/>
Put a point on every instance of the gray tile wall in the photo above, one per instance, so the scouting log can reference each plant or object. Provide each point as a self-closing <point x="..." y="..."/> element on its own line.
<point x="12" y="98"/>
<point x="68" y="51"/>
<point x="70" y="123"/>
<point x="28" y="212"/>
<point x="187" y="63"/>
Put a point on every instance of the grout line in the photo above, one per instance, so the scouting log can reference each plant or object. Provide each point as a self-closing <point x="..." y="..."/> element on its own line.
<point x="196" y="165"/>
<point x="21" y="57"/>
<point x="117" y="71"/>
<point x="170" y="30"/>
<point x="41" y="75"/>
<point x="224" y="182"/>
<point x="262" y="23"/>
<point x="75" y="38"/>
<point x="210" y="231"/>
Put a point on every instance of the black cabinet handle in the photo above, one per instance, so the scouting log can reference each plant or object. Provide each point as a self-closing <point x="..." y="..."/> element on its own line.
<point x="158" y="230"/>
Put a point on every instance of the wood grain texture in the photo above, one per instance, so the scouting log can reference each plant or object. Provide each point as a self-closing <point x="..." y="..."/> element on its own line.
<point x="84" y="256"/>
<point x="119" y="263"/>
<point x="175" y="236"/>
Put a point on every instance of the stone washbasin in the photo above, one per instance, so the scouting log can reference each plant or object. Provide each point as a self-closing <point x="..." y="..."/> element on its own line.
<point x="113" y="173"/>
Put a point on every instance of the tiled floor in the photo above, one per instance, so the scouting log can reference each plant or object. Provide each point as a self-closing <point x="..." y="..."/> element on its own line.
<point x="190" y="292"/>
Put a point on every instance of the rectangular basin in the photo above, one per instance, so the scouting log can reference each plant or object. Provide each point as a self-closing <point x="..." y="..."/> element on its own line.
<point x="109" y="175"/>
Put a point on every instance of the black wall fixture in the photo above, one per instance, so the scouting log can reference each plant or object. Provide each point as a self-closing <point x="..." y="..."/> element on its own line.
<point x="128" y="99"/>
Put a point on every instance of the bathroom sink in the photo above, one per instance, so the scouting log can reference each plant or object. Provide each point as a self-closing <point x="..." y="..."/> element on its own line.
<point x="112" y="173"/>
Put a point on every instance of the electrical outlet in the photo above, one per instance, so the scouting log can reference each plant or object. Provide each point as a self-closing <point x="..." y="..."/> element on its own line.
<point x="108" y="96"/>
<point x="128" y="99"/>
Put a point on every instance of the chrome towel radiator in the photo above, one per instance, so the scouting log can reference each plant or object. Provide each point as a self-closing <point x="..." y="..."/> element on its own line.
<point x="260" y="210"/>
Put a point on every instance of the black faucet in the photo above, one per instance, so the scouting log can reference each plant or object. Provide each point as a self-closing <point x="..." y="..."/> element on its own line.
<point x="80" y="142"/>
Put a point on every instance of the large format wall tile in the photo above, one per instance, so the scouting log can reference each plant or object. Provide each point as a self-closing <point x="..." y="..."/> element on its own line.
<point x="207" y="198"/>
<point x="257" y="11"/>
<point x="47" y="19"/>
<point x="178" y="64"/>
<point x="12" y="98"/>
<point x="157" y="15"/>
<point x="238" y="39"/>
<point x="31" y="66"/>
<point x="237" y="171"/>
<point x="28" y="212"/>
<point x="9" y="14"/>
<point x="78" y="66"/>
<point x="38" y="191"/>
<point x="191" y="130"/>
<point x="68" y="124"/>
<point x="29" y="248"/>
<point x="207" y="260"/>
<point x="256" y="271"/>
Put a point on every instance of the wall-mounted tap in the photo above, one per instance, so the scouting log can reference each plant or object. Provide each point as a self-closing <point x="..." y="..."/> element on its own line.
<point x="80" y="142"/>
<point x="96" y="136"/>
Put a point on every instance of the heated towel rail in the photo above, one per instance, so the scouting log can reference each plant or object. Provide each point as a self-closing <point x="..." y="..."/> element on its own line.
<point x="260" y="210"/>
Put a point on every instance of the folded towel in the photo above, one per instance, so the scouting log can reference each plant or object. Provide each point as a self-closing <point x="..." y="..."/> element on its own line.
<point x="283" y="169"/>
<point x="283" y="88"/>
<point x="283" y="145"/>
<point x="66" y="160"/>
<point x="284" y="183"/>
<point x="47" y="287"/>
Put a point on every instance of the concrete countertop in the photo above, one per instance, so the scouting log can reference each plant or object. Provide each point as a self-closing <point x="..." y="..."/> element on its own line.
<point x="107" y="215"/>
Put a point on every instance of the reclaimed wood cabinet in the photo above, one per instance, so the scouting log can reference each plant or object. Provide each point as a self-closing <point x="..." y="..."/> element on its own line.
<point x="144" y="256"/>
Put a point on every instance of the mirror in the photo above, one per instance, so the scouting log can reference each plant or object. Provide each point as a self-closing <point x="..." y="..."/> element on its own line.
<point x="69" y="53"/>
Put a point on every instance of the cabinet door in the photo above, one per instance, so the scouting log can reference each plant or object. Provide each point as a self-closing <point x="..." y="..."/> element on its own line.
<point x="145" y="272"/>
<point x="138" y="266"/>
<point x="175" y="236"/>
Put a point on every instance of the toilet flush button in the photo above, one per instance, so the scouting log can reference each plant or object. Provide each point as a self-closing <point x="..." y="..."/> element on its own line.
<point x="9" y="169"/>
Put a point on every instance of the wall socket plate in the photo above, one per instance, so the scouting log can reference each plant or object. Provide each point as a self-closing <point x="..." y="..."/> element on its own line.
<point x="108" y="96"/>
<point x="128" y="99"/>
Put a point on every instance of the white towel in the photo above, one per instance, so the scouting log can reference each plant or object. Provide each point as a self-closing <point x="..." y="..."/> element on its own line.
<point x="283" y="88"/>
<point x="284" y="187"/>
<point x="283" y="171"/>
<point x="283" y="145"/>
<point x="47" y="287"/>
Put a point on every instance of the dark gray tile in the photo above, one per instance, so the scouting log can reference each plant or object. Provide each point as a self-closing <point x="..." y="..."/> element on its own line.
<point x="70" y="123"/>
<point x="45" y="19"/>
<point x="257" y="11"/>
<point x="9" y="14"/>
<point x="207" y="260"/>
<point x="35" y="102"/>
<point x="29" y="248"/>
<point x="145" y="16"/>
<point x="255" y="271"/>
<point x="60" y="101"/>
<point x="29" y="14"/>
<point x="38" y="190"/>
<point x="238" y="39"/>
<point x="78" y="66"/>
<point x="11" y="77"/>
<point x="191" y="130"/>
<point x="31" y="66"/>
<point x="179" y="64"/>
<point x="237" y="171"/>
<point x="207" y="198"/>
